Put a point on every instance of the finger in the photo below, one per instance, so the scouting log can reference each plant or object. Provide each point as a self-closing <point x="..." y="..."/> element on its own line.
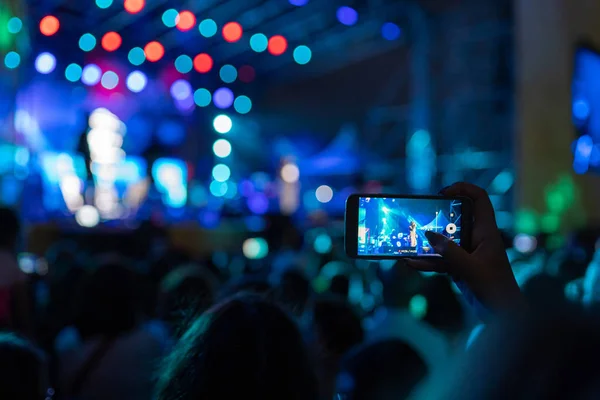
<point x="457" y="257"/>
<point x="426" y="265"/>
<point x="483" y="211"/>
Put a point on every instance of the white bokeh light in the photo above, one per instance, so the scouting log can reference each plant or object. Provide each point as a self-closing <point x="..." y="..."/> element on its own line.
<point x="324" y="194"/>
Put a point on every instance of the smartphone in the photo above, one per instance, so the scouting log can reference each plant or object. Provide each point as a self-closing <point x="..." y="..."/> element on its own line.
<point x="382" y="226"/>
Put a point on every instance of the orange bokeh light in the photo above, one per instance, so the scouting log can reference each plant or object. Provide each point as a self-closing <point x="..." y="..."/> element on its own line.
<point x="203" y="63"/>
<point x="154" y="51"/>
<point x="134" y="6"/>
<point x="111" y="41"/>
<point x="186" y="21"/>
<point x="277" y="45"/>
<point x="232" y="32"/>
<point x="49" y="25"/>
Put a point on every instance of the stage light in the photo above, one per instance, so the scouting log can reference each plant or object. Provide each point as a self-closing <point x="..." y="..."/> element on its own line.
<point x="242" y="104"/>
<point x="228" y="73"/>
<point x="110" y="80"/>
<point x="223" y="98"/>
<point x="324" y="194"/>
<point x="14" y="25"/>
<point x="258" y="203"/>
<point x="181" y="89"/>
<point x="290" y="173"/>
<point x="222" y="148"/>
<point x="45" y="63"/>
<point x="136" y="56"/>
<point x="218" y="189"/>
<point x="208" y="28"/>
<point x="203" y="63"/>
<point x="111" y="41"/>
<point x="222" y="124"/>
<point x="581" y="110"/>
<point x="298" y="3"/>
<point x="232" y="32"/>
<point x="169" y="18"/>
<point x="302" y="55"/>
<point x="49" y="25"/>
<point x="390" y="31"/>
<point x="154" y="51"/>
<point x="134" y="6"/>
<point x="323" y="243"/>
<point x="91" y="74"/>
<point x="524" y="243"/>
<point x="87" y="42"/>
<point x="12" y="60"/>
<point x="347" y="15"/>
<point x="255" y="249"/>
<point x="277" y="45"/>
<point x="202" y="97"/>
<point x="73" y="72"/>
<point x="184" y="64"/>
<point x="87" y="216"/>
<point x="259" y="42"/>
<point x="221" y="173"/>
<point x="246" y="74"/>
<point x="104" y="3"/>
<point x="186" y="21"/>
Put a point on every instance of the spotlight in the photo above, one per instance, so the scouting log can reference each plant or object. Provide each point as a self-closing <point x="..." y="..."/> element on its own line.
<point x="324" y="194"/>
<point x="290" y="173"/>
<point x="136" y="81"/>
<point x="222" y="124"/>
<point x="45" y="63"/>
<point x="222" y="148"/>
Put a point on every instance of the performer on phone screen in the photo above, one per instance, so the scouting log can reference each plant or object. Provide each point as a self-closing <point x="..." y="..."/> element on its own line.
<point x="413" y="234"/>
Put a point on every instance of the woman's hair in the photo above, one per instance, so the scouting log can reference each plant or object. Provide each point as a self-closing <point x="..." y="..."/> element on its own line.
<point x="22" y="368"/>
<point x="244" y="347"/>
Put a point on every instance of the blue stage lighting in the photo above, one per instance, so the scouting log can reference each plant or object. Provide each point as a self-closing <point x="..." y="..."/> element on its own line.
<point x="298" y="3"/>
<point x="104" y="3"/>
<point x="222" y="148"/>
<point x="218" y="189"/>
<point x="136" y="81"/>
<point x="87" y="42"/>
<point x="221" y="172"/>
<point x="181" y="89"/>
<point x="347" y="15"/>
<point x="223" y="98"/>
<point x="259" y="42"/>
<point x="202" y="97"/>
<point x="222" y="123"/>
<point x="170" y="176"/>
<point x="12" y="60"/>
<point x="581" y="109"/>
<point x="73" y="72"/>
<point x="390" y="31"/>
<point x="184" y="64"/>
<point x="169" y="18"/>
<point x="171" y="133"/>
<point x="208" y="28"/>
<point x="91" y="74"/>
<point x="228" y="73"/>
<point x="14" y="25"/>
<point x="110" y="80"/>
<point x="302" y="55"/>
<point x="136" y="56"/>
<point x="242" y="104"/>
<point x="45" y="63"/>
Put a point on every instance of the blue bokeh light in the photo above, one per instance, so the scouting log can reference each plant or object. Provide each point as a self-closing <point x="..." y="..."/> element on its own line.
<point x="184" y="64"/>
<point x="181" y="89"/>
<point x="171" y="133"/>
<point x="298" y="3"/>
<point x="228" y="73"/>
<point x="73" y="72"/>
<point x="208" y="28"/>
<point x="221" y="172"/>
<point x="581" y="109"/>
<point x="218" y="189"/>
<point x="390" y="31"/>
<point x="14" y="25"/>
<point x="104" y="3"/>
<point x="87" y="42"/>
<point x="136" y="56"/>
<point x="242" y="104"/>
<point x="259" y="42"/>
<point x="347" y="15"/>
<point x="12" y="60"/>
<point x="136" y="81"/>
<point x="110" y="80"/>
<point x="302" y="55"/>
<point x="202" y="97"/>
<point x="169" y="18"/>
<point x="91" y="74"/>
<point x="223" y="98"/>
<point x="45" y="63"/>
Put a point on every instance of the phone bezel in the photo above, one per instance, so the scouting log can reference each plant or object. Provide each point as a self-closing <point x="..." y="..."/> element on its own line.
<point x="351" y="223"/>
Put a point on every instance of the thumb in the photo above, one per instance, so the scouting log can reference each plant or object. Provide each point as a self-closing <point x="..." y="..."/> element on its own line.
<point x="452" y="253"/>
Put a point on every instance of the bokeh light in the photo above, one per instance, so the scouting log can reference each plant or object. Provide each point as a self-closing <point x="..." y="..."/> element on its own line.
<point x="302" y="55"/>
<point x="347" y="15"/>
<point x="232" y="32"/>
<point x="104" y="3"/>
<point x="136" y="81"/>
<point x="169" y="18"/>
<point x="255" y="248"/>
<point x="298" y="3"/>
<point x="246" y="74"/>
<point x="111" y="41"/>
<point x="136" y="56"/>
<point x="184" y="64"/>
<point x="223" y="98"/>
<point x="259" y="42"/>
<point x="390" y="31"/>
<point x="14" y="25"/>
<point x="222" y="148"/>
<point x="222" y="124"/>
<point x="242" y="104"/>
<point x="324" y="194"/>
<point x="171" y="133"/>
<point x="87" y="216"/>
<point x="45" y="63"/>
<point x="258" y="203"/>
<point x="208" y="28"/>
<point x="218" y="189"/>
<point x="290" y="173"/>
<point x="109" y="80"/>
<point x="73" y="72"/>
<point x="49" y="25"/>
<point x="134" y="6"/>
<point x="221" y="172"/>
<point x="277" y="45"/>
<point x="87" y="42"/>
<point x="91" y="74"/>
<point x="203" y="63"/>
<point x="186" y="21"/>
<point x="181" y="89"/>
<point x="228" y="73"/>
<point x="12" y="60"/>
<point x="154" y="51"/>
<point x="202" y="97"/>
<point x="323" y="243"/>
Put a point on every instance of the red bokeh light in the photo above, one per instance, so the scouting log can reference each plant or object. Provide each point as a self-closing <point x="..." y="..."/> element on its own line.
<point x="203" y="63"/>
<point x="246" y="74"/>
<point x="111" y="41"/>
<point x="49" y="25"/>
<point x="154" y="51"/>
<point x="232" y="32"/>
<point x="277" y="45"/>
<point x="186" y="21"/>
<point x="134" y="6"/>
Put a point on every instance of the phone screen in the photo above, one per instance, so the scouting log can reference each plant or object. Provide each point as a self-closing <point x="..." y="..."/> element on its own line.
<point x="389" y="226"/>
